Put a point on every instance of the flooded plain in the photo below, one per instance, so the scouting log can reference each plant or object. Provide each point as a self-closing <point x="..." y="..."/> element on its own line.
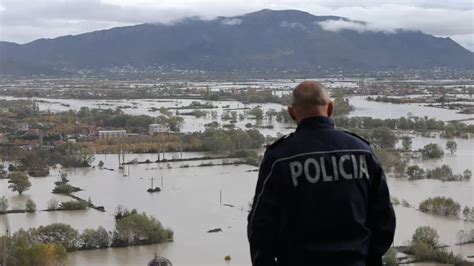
<point x="190" y="200"/>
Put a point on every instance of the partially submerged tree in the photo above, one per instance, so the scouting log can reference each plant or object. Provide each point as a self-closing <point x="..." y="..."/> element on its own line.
<point x="432" y="151"/>
<point x="18" y="182"/>
<point x="451" y="146"/>
<point x="406" y="142"/>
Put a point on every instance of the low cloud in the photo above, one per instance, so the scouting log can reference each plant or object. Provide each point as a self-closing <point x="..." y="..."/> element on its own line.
<point x="231" y="22"/>
<point x="294" y="25"/>
<point x="339" y="25"/>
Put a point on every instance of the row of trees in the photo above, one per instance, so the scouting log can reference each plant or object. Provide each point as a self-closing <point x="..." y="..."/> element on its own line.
<point x="48" y="245"/>
<point x="443" y="173"/>
<point x="248" y="95"/>
<point x="413" y="123"/>
<point x="224" y="141"/>
<point x="37" y="162"/>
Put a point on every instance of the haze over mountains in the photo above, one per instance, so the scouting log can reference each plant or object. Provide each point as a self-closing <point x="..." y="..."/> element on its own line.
<point x="276" y="40"/>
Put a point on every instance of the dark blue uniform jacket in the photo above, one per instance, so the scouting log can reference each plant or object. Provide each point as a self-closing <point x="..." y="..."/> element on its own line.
<point x="321" y="199"/>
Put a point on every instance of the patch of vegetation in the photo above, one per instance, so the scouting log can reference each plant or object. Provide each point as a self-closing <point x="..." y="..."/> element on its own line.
<point x="440" y="206"/>
<point x="432" y="151"/>
<point x="48" y="245"/>
<point x="73" y="205"/>
<point x="65" y="189"/>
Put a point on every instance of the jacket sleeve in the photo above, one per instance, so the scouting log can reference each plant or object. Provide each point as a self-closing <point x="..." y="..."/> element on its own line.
<point x="263" y="219"/>
<point x="381" y="216"/>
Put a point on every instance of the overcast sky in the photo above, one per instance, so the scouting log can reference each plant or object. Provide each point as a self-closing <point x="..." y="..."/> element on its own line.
<point x="23" y="21"/>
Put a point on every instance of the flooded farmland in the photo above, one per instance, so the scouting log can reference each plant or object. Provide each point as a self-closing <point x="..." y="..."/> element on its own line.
<point x="190" y="203"/>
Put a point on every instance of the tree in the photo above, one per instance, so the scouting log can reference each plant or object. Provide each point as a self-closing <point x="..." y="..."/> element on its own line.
<point x="22" y="251"/>
<point x="271" y="113"/>
<point x="137" y="228"/>
<point x="467" y="174"/>
<point x="432" y="151"/>
<point x="426" y="235"/>
<point x="390" y="258"/>
<point x="451" y="146"/>
<point x="383" y="137"/>
<point x="257" y="112"/>
<point x="57" y="233"/>
<point x="415" y="172"/>
<point x="341" y="105"/>
<point x="30" y="205"/>
<point x="19" y="182"/>
<point x="466" y="212"/>
<point x="406" y="142"/>
<point x="3" y="204"/>
<point x="94" y="239"/>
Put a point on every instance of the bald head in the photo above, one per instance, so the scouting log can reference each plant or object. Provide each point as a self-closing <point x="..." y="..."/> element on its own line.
<point x="309" y="99"/>
<point x="309" y="94"/>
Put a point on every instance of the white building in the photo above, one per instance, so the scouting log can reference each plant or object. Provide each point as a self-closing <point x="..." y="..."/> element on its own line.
<point x="157" y="128"/>
<point x="103" y="134"/>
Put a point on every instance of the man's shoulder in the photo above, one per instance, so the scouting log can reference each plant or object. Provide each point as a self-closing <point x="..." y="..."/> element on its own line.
<point x="356" y="137"/>
<point x="279" y="141"/>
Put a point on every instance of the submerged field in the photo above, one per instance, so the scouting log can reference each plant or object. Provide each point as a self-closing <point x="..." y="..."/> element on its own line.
<point x="190" y="198"/>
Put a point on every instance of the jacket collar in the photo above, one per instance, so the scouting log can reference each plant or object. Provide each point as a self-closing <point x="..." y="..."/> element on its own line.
<point x="315" y="122"/>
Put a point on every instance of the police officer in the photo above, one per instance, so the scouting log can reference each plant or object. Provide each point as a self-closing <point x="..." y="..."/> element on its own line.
<point x="321" y="196"/>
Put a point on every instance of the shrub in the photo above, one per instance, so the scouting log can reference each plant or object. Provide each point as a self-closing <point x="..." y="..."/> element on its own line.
<point x="30" y="205"/>
<point x="53" y="204"/>
<point x="65" y="189"/>
<point x="3" y="204"/>
<point x="74" y="205"/>
<point x="390" y="258"/>
<point x="406" y="204"/>
<point x="425" y="236"/>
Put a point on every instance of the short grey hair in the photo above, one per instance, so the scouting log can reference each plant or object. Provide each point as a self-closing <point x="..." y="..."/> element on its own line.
<point x="309" y="94"/>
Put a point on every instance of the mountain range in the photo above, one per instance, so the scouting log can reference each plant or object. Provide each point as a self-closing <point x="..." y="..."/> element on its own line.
<point x="267" y="39"/>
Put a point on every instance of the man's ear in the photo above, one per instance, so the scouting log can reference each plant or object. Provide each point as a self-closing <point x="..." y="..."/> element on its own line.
<point x="330" y="108"/>
<point x="291" y="112"/>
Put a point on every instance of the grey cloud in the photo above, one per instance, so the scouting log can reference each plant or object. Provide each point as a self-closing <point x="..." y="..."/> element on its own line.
<point x="339" y="25"/>
<point x="231" y="22"/>
<point x="295" y="25"/>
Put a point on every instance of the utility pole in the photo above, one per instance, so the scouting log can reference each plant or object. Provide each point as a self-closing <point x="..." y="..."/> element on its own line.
<point x="152" y="182"/>
<point x="5" y="242"/>
<point x="220" y="197"/>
